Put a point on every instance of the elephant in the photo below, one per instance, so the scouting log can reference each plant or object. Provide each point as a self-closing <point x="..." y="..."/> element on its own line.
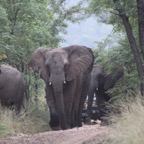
<point x="12" y="87"/>
<point x="97" y="72"/>
<point x="99" y="85"/>
<point x="66" y="73"/>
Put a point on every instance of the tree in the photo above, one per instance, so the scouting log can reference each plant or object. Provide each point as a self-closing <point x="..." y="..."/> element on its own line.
<point x="140" y="7"/>
<point x="125" y="12"/>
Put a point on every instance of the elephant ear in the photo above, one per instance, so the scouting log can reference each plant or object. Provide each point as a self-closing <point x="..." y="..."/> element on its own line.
<point x="109" y="81"/>
<point x="112" y="79"/>
<point x="37" y="63"/>
<point x="80" y="60"/>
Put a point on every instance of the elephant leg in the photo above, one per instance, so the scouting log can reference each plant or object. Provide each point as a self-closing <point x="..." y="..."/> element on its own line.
<point x="17" y="108"/>
<point x="101" y="103"/>
<point x="69" y="90"/>
<point x="84" y="92"/>
<point x="76" y="109"/>
<point x="19" y="102"/>
<point x="77" y="101"/>
<point x="72" y="119"/>
<point x="90" y="101"/>
<point x="54" y="118"/>
<point x="75" y="106"/>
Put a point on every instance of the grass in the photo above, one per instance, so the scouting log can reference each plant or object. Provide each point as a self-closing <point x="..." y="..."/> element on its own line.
<point x="127" y="127"/>
<point x="33" y="121"/>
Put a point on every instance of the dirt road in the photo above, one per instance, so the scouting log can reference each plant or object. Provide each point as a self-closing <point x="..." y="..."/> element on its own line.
<point x="72" y="136"/>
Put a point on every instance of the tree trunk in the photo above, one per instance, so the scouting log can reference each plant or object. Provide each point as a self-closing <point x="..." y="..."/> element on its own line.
<point x="140" y="8"/>
<point x="133" y="45"/>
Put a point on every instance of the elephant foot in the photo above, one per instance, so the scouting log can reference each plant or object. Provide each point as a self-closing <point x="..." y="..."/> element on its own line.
<point x="56" y="128"/>
<point x="73" y="125"/>
<point x="65" y="127"/>
<point x="88" y="120"/>
<point x="80" y="124"/>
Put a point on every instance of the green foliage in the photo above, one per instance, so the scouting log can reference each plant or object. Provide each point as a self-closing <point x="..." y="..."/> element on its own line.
<point x="4" y="28"/>
<point x="62" y="12"/>
<point x="29" y="27"/>
<point x="119" y="56"/>
<point x="106" y="10"/>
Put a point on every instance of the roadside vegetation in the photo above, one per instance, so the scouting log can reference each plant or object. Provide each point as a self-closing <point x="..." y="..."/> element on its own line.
<point x="33" y="120"/>
<point x="126" y="127"/>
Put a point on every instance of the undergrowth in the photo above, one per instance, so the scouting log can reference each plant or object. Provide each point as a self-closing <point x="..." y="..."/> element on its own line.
<point x="32" y="121"/>
<point x="128" y="126"/>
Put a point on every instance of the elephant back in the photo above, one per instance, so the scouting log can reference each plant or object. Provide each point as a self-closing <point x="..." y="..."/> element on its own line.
<point x="8" y="73"/>
<point x="12" y="83"/>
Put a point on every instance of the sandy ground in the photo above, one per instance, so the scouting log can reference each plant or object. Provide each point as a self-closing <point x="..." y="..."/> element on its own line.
<point x="84" y="135"/>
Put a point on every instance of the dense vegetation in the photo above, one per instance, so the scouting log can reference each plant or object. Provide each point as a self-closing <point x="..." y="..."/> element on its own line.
<point x="28" y="24"/>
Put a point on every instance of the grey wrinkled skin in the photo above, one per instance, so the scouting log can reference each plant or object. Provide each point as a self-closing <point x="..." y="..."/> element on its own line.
<point x="12" y="87"/>
<point x="100" y="83"/>
<point x="66" y="72"/>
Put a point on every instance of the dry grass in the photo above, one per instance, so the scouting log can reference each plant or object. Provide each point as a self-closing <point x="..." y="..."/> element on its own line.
<point x="30" y="122"/>
<point x="128" y="127"/>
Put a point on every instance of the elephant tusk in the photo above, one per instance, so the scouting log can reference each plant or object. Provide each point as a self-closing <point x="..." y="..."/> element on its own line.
<point x="50" y="83"/>
<point x="64" y="82"/>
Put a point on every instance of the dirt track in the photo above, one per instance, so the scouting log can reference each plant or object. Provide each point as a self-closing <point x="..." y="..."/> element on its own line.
<point x="72" y="136"/>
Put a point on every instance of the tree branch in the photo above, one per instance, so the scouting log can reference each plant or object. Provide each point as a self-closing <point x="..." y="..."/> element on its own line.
<point x="14" y="21"/>
<point x="132" y="41"/>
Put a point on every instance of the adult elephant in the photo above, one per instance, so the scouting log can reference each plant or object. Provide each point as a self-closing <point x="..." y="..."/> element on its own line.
<point x="99" y="85"/>
<point x="96" y="73"/>
<point x="66" y="72"/>
<point x="12" y="87"/>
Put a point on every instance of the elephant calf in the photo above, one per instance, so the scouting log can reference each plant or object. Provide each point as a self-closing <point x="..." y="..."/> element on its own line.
<point x="12" y="87"/>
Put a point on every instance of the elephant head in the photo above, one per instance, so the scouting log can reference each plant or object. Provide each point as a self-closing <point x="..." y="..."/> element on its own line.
<point x="58" y="67"/>
<point x="66" y="63"/>
<point x="107" y="82"/>
<point x="95" y="74"/>
<point x="100" y="83"/>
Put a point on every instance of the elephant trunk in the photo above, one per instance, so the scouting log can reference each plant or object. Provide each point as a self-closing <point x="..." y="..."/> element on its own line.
<point x="58" y="93"/>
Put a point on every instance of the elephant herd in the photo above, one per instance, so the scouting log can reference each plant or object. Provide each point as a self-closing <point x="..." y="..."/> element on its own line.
<point x="69" y="74"/>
